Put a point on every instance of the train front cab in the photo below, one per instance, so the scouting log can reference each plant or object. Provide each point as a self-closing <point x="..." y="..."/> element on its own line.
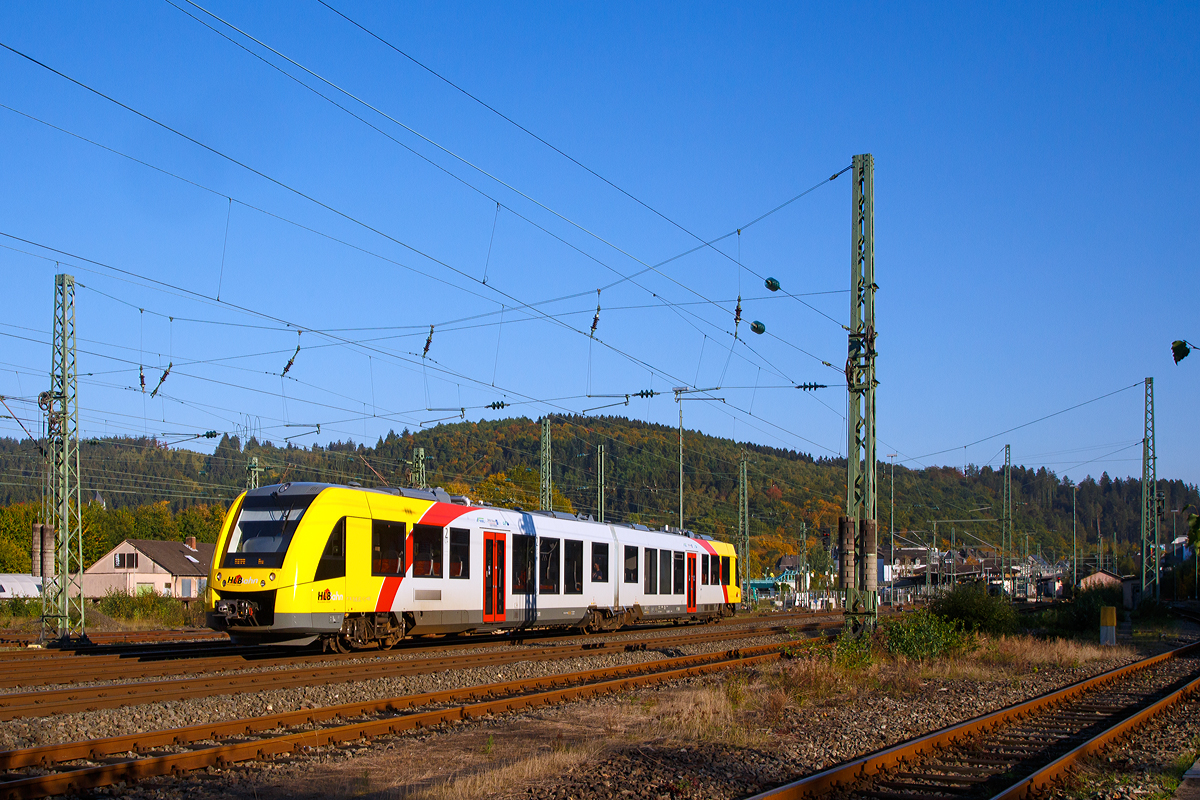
<point x="281" y="573"/>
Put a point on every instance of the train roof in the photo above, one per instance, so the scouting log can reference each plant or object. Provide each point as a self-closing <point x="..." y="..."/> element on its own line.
<point x="440" y="495"/>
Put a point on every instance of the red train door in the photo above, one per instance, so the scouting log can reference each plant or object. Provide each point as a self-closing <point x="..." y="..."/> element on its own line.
<point x="691" y="583"/>
<point x="493" y="576"/>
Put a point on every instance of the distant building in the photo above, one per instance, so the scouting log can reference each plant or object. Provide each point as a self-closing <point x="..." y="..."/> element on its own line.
<point x="141" y="566"/>
<point x="785" y="563"/>
<point x="1101" y="579"/>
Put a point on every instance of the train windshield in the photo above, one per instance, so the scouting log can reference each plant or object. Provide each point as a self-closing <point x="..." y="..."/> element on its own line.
<point x="264" y="530"/>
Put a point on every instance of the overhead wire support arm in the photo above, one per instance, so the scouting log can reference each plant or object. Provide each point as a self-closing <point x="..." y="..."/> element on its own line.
<point x="162" y="379"/>
<point x="292" y="360"/>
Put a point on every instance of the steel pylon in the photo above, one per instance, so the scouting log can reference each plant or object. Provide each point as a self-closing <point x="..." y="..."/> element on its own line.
<point x="858" y="528"/>
<point x="1150" y="544"/>
<point x="62" y="592"/>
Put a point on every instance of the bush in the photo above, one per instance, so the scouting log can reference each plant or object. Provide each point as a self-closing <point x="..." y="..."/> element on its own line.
<point x="1083" y="615"/>
<point x="970" y="605"/>
<point x="922" y="635"/>
<point x="1151" y="611"/>
<point x="21" y="608"/>
<point x="852" y="652"/>
<point x="166" y="611"/>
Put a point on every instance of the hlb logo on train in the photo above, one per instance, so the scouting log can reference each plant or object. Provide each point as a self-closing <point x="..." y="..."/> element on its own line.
<point x="238" y="580"/>
<point x="327" y="595"/>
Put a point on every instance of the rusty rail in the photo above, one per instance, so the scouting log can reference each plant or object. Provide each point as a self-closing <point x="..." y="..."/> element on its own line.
<point x="874" y="765"/>
<point x="515" y="695"/>
<point x="41" y="672"/>
<point x="86" y="698"/>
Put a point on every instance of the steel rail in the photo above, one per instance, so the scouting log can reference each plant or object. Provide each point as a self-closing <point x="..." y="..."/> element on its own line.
<point x="517" y="695"/>
<point x="86" y="698"/>
<point x="113" y="668"/>
<point x="190" y="639"/>
<point x="873" y="765"/>
<point x="24" y="671"/>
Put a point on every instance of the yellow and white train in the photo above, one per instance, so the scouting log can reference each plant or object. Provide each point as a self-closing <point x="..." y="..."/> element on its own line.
<point x="355" y="567"/>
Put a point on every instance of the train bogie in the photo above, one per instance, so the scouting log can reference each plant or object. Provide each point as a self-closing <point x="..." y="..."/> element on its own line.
<point x="359" y="567"/>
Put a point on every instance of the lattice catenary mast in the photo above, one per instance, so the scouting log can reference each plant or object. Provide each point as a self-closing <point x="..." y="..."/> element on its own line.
<point x="1150" y="583"/>
<point x="62" y="593"/>
<point x="547" y="500"/>
<point x="858" y="529"/>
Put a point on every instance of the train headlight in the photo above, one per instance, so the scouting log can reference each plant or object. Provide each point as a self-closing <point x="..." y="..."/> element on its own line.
<point x="272" y="576"/>
<point x="220" y="577"/>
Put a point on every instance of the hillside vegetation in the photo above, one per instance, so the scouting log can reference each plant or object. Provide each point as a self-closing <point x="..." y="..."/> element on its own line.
<point x="138" y="488"/>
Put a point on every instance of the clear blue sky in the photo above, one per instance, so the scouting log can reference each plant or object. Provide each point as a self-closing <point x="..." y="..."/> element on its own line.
<point x="1036" y="218"/>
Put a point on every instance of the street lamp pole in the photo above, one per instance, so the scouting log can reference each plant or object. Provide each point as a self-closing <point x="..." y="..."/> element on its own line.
<point x="1074" y="551"/>
<point x="892" y="526"/>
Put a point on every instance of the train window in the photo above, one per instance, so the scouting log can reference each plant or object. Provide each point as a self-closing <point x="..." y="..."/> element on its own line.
<point x="599" y="562"/>
<point x="264" y="528"/>
<point x="631" y="564"/>
<point x="725" y="570"/>
<point x="427" y="551"/>
<point x="387" y="547"/>
<point x="523" y="564"/>
<point x="548" y="566"/>
<point x="704" y="569"/>
<point x="651" y="586"/>
<point x="333" y="557"/>
<point x="572" y="567"/>
<point x="664" y="571"/>
<point x="678" y="573"/>
<point x="714" y="575"/>
<point x="460" y="553"/>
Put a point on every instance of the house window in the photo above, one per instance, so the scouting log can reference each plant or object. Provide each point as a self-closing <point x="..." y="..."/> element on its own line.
<point x="548" y="567"/>
<point x="572" y="567"/>
<point x="186" y="590"/>
<point x="125" y="560"/>
<point x="631" y="564"/>
<point x="460" y="553"/>
<point x="651" y="558"/>
<point x="427" y="552"/>
<point x="333" y="558"/>
<point x="523" y="564"/>
<point x="599" y="562"/>
<point x="387" y="547"/>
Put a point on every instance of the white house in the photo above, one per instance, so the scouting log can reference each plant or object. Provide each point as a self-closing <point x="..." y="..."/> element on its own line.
<point x="140" y="566"/>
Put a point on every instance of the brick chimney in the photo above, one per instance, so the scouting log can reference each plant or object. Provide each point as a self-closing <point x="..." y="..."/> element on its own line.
<point x="190" y="542"/>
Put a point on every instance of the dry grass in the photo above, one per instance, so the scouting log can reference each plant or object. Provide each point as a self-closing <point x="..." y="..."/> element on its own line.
<point x="537" y="767"/>
<point x="1022" y="653"/>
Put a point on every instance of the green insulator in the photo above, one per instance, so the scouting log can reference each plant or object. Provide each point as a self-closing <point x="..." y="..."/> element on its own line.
<point x="758" y="327"/>
<point x="773" y="284"/>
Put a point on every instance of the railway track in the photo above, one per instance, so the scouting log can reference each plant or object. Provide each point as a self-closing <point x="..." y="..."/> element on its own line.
<point x="57" y="769"/>
<point x="116" y="637"/>
<point x="45" y="702"/>
<point x="42" y="668"/>
<point x="74" y="671"/>
<point x="1016" y="752"/>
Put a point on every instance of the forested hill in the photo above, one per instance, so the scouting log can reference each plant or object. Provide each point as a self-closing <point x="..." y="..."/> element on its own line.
<point x="498" y="462"/>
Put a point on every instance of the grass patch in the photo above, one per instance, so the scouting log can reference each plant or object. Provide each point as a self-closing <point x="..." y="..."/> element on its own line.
<point x="168" y="612"/>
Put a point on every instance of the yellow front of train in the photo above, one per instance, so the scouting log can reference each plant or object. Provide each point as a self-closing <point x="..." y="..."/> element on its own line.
<point x="266" y="582"/>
